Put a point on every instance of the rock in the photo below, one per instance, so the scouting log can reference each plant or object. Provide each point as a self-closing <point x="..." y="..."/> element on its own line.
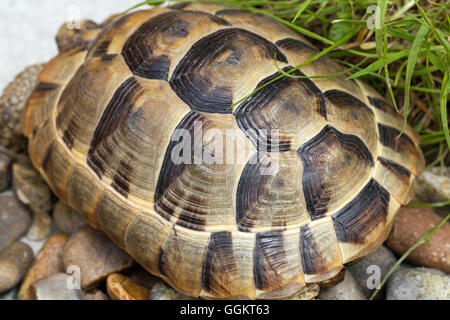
<point x="121" y="287"/>
<point x="432" y="185"/>
<point x="309" y="292"/>
<point x="346" y="290"/>
<point x="40" y="226"/>
<point x="95" y="255"/>
<point x="14" y="262"/>
<point x="30" y="187"/>
<point x="5" y="173"/>
<point x="363" y="271"/>
<point x="48" y="261"/>
<point x="143" y="278"/>
<point x="55" y="287"/>
<point x="410" y="224"/>
<point x="418" y="284"/>
<point x="95" y="294"/>
<point x="14" y="219"/>
<point x="12" y="103"/>
<point x="162" y="291"/>
<point x="66" y="219"/>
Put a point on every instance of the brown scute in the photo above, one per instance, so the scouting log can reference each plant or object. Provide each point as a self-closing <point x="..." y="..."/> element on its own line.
<point x="269" y="257"/>
<point x="401" y="172"/>
<point x="339" y="97"/>
<point x="250" y="188"/>
<point x="332" y="161"/>
<point x="119" y="106"/>
<point x="382" y="105"/>
<point x="48" y="154"/>
<point x="280" y="106"/>
<point x="364" y="213"/>
<point x="170" y="171"/>
<point x="312" y="260"/>
<point x="195" y="79"/>
<point x="218" y="264"/>
<point x="101" y="48"/>
<point x="390" y="137"/>
<point x="179" y="5"/>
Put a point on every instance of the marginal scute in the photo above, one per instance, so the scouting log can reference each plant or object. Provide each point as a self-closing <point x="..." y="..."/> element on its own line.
<point x="394" y="178"/>
<point x="271" y="116"/>
<point x="320" y="255"/>
<point x="336" y="166"/>
<point x="400" y="148"/>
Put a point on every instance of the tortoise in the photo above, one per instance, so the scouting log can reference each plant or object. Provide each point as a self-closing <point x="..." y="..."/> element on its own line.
<point x="324" y="163"/>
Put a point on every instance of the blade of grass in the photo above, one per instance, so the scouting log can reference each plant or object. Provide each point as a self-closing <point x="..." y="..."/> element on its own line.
<point x="300" y="10"/>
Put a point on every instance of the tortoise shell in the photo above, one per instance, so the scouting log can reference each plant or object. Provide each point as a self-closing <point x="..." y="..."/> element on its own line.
<point x="104" y="123"/>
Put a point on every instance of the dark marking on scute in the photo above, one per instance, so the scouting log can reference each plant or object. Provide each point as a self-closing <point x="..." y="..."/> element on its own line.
<point x="108" y="57"/>
<point x="314" y="188"/>
<point x="312" y="260"/>
<point x="217" y="261"/>
<point x="46" y="86"/>
<point x="162" y="262"/>
<point x="382" y="105"/>
<point x="69" y="133"/>
<point x="196" y="88"/>
<point x="363" y="214"/>
<point x="250" y="188"/>
<point x="269" y="258"/>
<point x="170" y="171"/>
<point x="248" y="112"/>
<point x="101" y="48"/>
<point x="47" y="156"/>
<point x="341" y="98"/>
<point x="121" y="180"/>
<point x="289" y="43"/>
<point x="118" y="108"/>
<point x="219" y="21"/>
<point x="225" y="12"/>
<point x="389" y="137"/>
<point x="401" y="172"/>
<point x="178" y="29"/>
<point x="191" y="219"/>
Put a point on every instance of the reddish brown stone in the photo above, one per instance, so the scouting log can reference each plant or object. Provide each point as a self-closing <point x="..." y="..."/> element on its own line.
<point x="48" y="261"/>
<point x="410" y="224"/>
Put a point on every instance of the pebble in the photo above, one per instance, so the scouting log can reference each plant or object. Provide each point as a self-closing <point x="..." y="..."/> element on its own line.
<point x="433" y="185"/>
<point x="162" y="291"/>
<point x="40" y="226"/>
<point x="48" y="261"/>
<point x="14" y="262"/>
<point x="410" y="224"/>
<point x="5" y="173"/>
<point x="55" y="287"/>
<point x="14" y="219"/>
<point x="30" y="187"/>
<point x="95" y="294"/>
<point x="418" y="284"/>
<point x="363" y="271"/>
<point x="66" y="219"/>
<point x="121" y="287"/>
<point x="95" y="255"/>
<point x="345" y="290"/>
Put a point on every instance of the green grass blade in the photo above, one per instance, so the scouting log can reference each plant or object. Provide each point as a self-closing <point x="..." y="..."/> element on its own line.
<point x="300" y="10"/>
